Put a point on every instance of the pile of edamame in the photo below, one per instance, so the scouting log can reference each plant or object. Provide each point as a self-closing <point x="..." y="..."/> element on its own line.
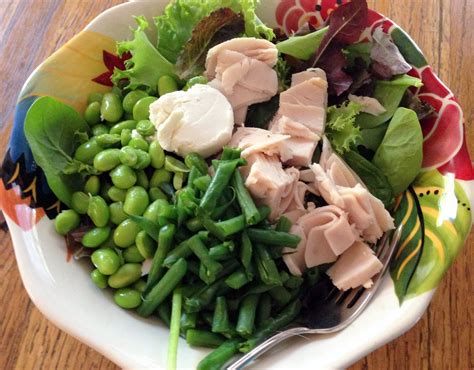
<point x="216" y="277"/>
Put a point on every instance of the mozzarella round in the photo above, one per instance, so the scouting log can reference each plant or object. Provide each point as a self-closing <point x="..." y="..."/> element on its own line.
<point x="199" y="120"/>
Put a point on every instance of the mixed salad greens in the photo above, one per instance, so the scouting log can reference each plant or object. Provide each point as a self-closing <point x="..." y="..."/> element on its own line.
<point x="182" y="237"/>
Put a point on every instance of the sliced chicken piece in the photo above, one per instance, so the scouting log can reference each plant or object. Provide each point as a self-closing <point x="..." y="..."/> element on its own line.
<point x="241" y="97"/>
<point x="369" y="105"/>
<point x="294" y="215"/>
<point x="307" y="175"/>
<point x="297" y="197"/>
<point x="294" y="258"/>
<point x="355" y="267"/>
<point x="288" y="126"/>
<point x="318" y="251"/>
<point x="300" y="77"/>
<point x="255" y="140"/>
<point x="326" y="187"/>
<point x="312" y="92"/>
<point x="312" y="117"/>
<point x="297" y="151"/>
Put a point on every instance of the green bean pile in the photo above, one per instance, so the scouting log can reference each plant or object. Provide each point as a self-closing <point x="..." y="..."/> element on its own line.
<point x="216" y="277"/>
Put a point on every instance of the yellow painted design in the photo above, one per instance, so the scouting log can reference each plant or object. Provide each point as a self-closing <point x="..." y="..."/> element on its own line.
<point x="433" y="212"/>
<point x="409" y="208"/>
<point x="32" y="188"/>
<point x="436" y="243"/>
<point x="56" y="205"/>
<point x="409" y="237"/>
<point x="15" y="174"/>
<point x="408" y="259"/>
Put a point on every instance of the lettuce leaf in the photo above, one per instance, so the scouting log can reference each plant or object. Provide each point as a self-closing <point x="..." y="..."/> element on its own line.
<point x="341" y="129"/>
<point x="302" y="47"/>
<point x="146" y="65"/>
<point x="179" y="18"/>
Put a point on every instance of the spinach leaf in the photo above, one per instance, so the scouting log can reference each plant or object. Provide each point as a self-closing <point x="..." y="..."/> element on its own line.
<point x="372" y="137"/>
<point x="260" y="114"/>
<point x="400" y="154"/>
<point x="51" y="129"/>
<point x="389" y="94"/>
<point x="302" y="47"/>
<point x="372" y="177"/>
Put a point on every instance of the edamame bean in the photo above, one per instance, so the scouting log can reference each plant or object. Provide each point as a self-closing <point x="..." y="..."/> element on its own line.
<point x="95" y="237"/>
<point x="157" y="155"/>
<point x="143" y="160"/>
<point x="140" y="285"/>
<point x="160" y="176"/>
<point x="127" y="298"/>
<point x="109" y="243"/>
<point x="116" y="194"/>
<point x="178" y="180"/>
<point x="153" y="209"/>
<point x="87" y="151"/>
<point x="145" y="244"/>
<point x="111" y="108"/>
<point x="108" y="140"/>
<point x="131" y="99"/>
<point x="145" y="128"/>
<point x="107" y="160"/>
<point x="141" y="109"/>
<point x="175" y="165"/>
<point x="80" y="202"/>
<point x="166" y="84"/>
<point x="125" y="136"/>
<point x="104" y="191"/>
<point x="106" y="260"/>
<point x="128" y="156"/>
<point x="99" y="129"/>
<point x="95" y="97"/>
<point x="123" y="177"/>
<point x="132" y="255"/>
<point x="194" y="81"/>
<point x="142" y="179"/>
<point x="92" y="185"/>
<point x="126" y="233"/>
<point x="138" y="143"/>
<point x="92" y="113"/>
<point x="129" y="124"/>
<point x="117" y="90"/>
<point x="126" y="275"/>
<point x="136" y="201"/>
<point x="99" y="279"/>
<point x="66" y="221"/>
<point x="98" y="211"/>
<point x="117" y="215"/>
<point x="156" y="193"/>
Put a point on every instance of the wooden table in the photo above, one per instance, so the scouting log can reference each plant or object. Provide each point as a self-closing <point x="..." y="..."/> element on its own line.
<point x="444" y="337"/>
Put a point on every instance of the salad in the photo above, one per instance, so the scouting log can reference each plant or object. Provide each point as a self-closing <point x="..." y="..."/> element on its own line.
<point x="230" y="167"/>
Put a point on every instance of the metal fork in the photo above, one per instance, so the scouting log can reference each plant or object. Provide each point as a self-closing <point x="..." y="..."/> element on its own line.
<point x="326" y="309"/>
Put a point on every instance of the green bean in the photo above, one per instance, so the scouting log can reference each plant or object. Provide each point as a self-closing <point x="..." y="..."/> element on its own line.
<point x="108" y="140"/>
<point x="145" y="128"/>
<point x="164" y="313"/>
<point x="143" y="160"/>
<point x="175" y="322"/>
<point x="145" y="244"/>
<point x="157" y="154"/>
<point x="99" y="279"/>
<point x="218" y="183"/>
<point x="246" y="202"/>
<point x="168" y="190"/>
<point x="195" y="160"/>
<point x="237" y="279"/>
<point x="247" y="313"/>
<point x="220" y="320"/>
<point x="194" y="224"/>
<point x="116" y="194"/>
<point x="175" y="165"/>
<point x="125" y="233"/>
<point x="92" y="185"/>
<point x="283" y="224"/>
<point x="107" y="160"/>
<point x="200" y="250"/>
<point x="141" y="109"/>
<point x="111" y="108"/>
<point x="132" y="255"/>
<point x="165" y="241"/>
<point x="129" y="124"/>
<point x="218" y="358"/>
<point x="99" y="129"/>
<point x="86" y="152"/>
<point x="264" y="310"/>
<point x="202" y="338"/>
<point x="222" y="251"/>
<point x="92" y="113"/>
<point x="280" y="295"/>
<point x="123" y="177"/>
<point x="125" y="136"/>
<point x="266" y="267"/>
<point x="80" y="202"/>
<point x="106" y="260"/>
<point x="138" y="143"/>
<point x="117" y="215"/>
<point x="98" y="211"/>
<point x="139" y="285"/>
<point x="230" y="153"/>
<point x="95" y="237"/>
<point x="166" y="84"/>
<point x="178" y="180"/>
<point x="131" y="99"/>
<point x="163" y="288"/>
<point x="126" y="275"/>
<point x="272" y="237"/>
<point x="155" y="193"/>
<point x="188" y="320"/>
<point x="293" y="282"/>
<point x="246" y="251"/>
<point x="136" y="201"/>
<point x="203" y="182"/>
<point x="194" y="81"/>
<point x="202" y="298"/>
<point x="127" y="298"/>
<point x="128" y="156"/>
<point x="285" y="317"/>
<point x="95" y="97"/>
<point x="66" y="221"/>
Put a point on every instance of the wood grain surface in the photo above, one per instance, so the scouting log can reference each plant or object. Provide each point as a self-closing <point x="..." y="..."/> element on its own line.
<point x="30" y="30"/>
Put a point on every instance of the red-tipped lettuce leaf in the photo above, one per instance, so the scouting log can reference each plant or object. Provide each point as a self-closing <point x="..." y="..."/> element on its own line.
<point x="333" y="63"/>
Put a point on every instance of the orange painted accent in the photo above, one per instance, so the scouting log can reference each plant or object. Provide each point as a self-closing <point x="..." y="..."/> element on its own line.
<point x="409" y="257"/>
<point x="19" y="209"/>
<point x="15" y="174"/>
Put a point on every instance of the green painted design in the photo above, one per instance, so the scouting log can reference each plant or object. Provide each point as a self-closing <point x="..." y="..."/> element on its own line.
<point x="408" y="48"/>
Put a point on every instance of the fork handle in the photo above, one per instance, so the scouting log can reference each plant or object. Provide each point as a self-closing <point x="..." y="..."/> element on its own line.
<point x="264" y="347"/>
